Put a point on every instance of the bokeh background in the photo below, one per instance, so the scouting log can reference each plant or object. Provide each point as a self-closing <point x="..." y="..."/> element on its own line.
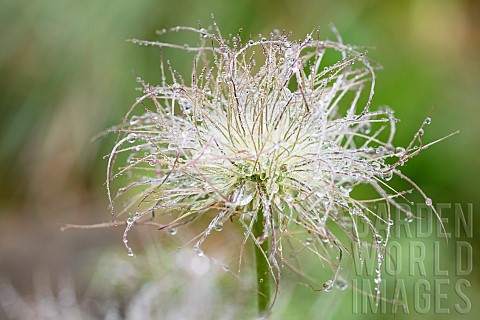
<point x="67" y="73"/>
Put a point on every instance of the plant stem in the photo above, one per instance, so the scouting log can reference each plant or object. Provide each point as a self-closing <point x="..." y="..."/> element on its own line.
<point x="262" y="266"/>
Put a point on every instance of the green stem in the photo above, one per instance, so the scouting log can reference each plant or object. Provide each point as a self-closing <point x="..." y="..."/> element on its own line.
<point x="263" y="269"/>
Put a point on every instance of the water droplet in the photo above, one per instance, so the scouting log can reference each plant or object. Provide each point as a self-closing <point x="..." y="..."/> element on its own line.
<point x="400" y="150"/>
<point x="275" y="188"/>
<point x="429" y="202"/>
<point x="309" y="241"/>
<point x="132" y="137"/>
<point x="428" y="120"/>
<point x="421" y="132"/>
<point x="388" y="175"/>
<point x="247" y="169"/>
<point x="376" y="165"/>
<point x="341" y="285"/>
<point x="377" y="280"/>
<point x="409" y="219"/>
<point x="172" y="231"/>
<point x="130" y="253"/>
<point x="218" y="226"/>
<point x="284" y="167"/>
<point x="290" y="195"/>
<point x="261" y="280"/>
<point x="134" y="120"/>
<point x="367" y="128"/>
<point x="327" y="286"/>
<point x="243" y="195"/>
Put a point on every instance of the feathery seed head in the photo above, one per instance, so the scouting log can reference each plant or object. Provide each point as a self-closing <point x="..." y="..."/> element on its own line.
<point x="264" y="127"/>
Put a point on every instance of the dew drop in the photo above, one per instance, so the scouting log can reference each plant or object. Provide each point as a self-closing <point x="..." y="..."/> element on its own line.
<point x="242" y="196"/>
<point x="341" y="285"/>
<point x="218" y="226"/>
<point x="327" y="286"/>
<point x="275" y="188"/>
<point x="203" y="32"/>
<point x="367" y="128"/>
<point x="429" y="202"/>
<point x="130" y="253"/>
<point x="134" y="120"/>
<point x="309" y="241"/>
<point x="132" y="137"/>
<point x="428" y="120"/>
<point x="172" y="231"/>
<point x="388" y="176"/>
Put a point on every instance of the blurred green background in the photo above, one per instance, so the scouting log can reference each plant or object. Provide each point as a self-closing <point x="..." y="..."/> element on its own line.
<point x="66" y="74"/>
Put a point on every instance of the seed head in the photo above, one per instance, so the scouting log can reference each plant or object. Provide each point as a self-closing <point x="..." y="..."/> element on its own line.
<point x="271" y="127"/>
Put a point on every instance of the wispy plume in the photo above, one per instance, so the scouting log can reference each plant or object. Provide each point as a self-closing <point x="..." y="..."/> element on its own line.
<point x="264" y="130"/>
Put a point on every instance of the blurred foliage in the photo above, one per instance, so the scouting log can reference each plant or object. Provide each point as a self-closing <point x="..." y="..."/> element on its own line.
<point x="66" y="75"/>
